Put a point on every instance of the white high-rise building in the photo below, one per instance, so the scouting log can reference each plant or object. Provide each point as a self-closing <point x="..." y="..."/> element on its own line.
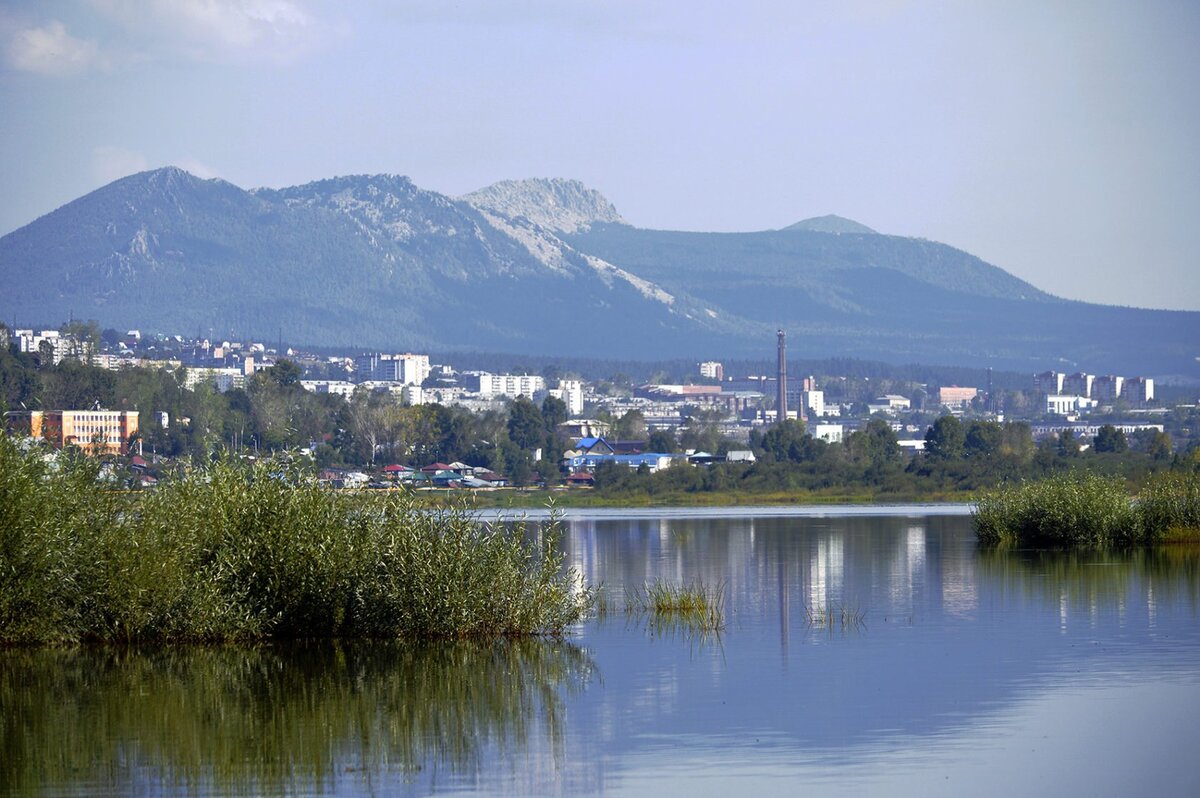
<point x="713" y="370"/>
<point x="571" y="393"/>
<point x="406" y="368"/>
<point x="814" y="402"/>
<point x="510" y="385"/>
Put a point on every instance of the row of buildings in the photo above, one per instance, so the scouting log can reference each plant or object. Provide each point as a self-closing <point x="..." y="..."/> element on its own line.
<point x="1067" y="394"/>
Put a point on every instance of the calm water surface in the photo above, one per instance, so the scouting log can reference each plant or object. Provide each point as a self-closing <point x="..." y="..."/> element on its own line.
<point x="971" y="671"/>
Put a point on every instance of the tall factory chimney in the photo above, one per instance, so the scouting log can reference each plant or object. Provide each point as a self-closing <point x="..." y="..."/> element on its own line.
<point x="781" y="402"/>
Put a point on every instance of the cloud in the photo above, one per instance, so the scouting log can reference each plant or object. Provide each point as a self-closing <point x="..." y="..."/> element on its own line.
<point x="210" y="30"/>
<point x="51" y="50"/>
<point x="112" y="163"/>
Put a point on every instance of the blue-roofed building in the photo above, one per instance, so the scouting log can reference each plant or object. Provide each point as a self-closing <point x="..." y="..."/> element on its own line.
<point x="655" y="461"/>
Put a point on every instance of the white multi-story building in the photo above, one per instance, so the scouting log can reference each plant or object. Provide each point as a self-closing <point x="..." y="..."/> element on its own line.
<point x="830" y="433"/>
<point x="1138" y="390"/>
<point x="713" y="370"/>
<point x="510" y="385"/>
<point x="223" y="379"/>
<point x="1107" y="388"/>
<point x="814" y="402"/>
<point x="1067" y="405"/>
<point x="405" y="368"/>
<point x="571" y="393"/>
<point x="340" y="387"/>
<point x="60" y="345"/>
<point x="1077" y="384"/>
<point x="1049" y="382"/>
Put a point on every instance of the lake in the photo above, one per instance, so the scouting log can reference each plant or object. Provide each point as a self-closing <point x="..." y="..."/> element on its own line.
<point x="944" y="669"/>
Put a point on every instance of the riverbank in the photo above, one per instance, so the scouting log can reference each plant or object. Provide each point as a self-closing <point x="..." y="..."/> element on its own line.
<point x="531" y="498"/>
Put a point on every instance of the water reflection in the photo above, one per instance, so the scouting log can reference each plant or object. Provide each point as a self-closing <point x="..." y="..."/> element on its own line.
<point x="965" y="657"/>
<point x="275" y="720"/>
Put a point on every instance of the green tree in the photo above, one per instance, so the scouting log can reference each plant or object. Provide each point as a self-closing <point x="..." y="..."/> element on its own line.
<point x="526" y="427"/>
<point x="945" y="439"/>
<point x="662" y="440"/>
<point x="630" y="427"/>
<point x="285" y="373"/>
<point x="982" y="439"/>
<point x="875" y="445"/>
<point x="786" y="442"/>
<point x="1110" y="439"/>
<point x="554" y="412"/>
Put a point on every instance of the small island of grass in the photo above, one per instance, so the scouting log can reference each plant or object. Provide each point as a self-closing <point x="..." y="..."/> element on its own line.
<point x="1090" y="510"/>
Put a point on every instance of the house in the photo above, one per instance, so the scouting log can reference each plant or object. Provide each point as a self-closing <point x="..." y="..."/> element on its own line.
<point x="654" y="461"/>
<point x="342" y="478"/>
<point x="580" y="479"/>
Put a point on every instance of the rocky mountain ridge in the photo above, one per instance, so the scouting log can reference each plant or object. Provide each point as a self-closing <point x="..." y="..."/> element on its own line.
<point x="558" y="205"/>
<point x="545" y="267"/>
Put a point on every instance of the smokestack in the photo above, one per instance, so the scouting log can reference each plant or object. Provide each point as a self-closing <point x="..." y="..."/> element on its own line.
<point x="781" y="401"/>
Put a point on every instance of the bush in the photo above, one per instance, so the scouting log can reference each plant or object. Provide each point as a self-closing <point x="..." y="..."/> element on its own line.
<point x="245" y="552"/>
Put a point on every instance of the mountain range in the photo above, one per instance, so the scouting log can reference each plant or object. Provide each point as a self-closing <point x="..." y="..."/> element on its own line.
<point x="544" y="267"/>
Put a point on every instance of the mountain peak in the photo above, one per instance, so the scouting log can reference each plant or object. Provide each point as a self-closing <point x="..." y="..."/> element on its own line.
<point x="831" y="224"/>
<point x="564" y="206"/>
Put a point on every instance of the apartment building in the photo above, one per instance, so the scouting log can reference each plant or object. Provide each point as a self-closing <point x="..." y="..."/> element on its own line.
<point x="94" y="431"/>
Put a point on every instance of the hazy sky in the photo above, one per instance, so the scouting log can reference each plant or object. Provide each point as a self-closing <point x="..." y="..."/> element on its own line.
<point x="1058" y="140"/>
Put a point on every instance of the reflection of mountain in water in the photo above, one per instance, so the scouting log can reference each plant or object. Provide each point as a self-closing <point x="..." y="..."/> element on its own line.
<point x="280" y="719"/>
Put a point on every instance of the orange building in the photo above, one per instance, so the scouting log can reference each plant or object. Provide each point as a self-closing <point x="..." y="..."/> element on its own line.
<point x="956" y="398"/>
<point x="94" y="431"/>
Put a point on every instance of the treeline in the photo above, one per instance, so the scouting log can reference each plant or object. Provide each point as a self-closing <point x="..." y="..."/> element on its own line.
<point x="960" y="457"/>
<point x="522" y="441"/>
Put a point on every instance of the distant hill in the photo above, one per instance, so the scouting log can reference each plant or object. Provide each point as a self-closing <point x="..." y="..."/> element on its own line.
<point x="831" y="224"/>
<point x="545" y="267"/>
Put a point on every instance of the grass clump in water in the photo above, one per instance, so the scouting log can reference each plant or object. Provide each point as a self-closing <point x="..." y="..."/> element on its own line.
<point x="236" y="552"/>
<point x="697" y="605"/>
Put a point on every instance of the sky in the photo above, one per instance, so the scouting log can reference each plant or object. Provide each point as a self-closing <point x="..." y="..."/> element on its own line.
<point x="1057" y="140"/>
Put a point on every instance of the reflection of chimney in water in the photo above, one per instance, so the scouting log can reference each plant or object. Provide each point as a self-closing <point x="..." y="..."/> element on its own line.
<point x="784" y="609"/>
<point x="781" y="377"/>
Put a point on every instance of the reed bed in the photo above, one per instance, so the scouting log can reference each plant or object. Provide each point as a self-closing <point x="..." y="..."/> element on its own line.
<point x="237" y="552"/>
<point x="1086" y="509"/>
<point x="1169" y="507"/>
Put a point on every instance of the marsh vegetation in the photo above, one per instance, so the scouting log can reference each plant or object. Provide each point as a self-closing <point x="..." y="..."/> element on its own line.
<point x="245" y="552"/>
<point x="1087" y="509"/>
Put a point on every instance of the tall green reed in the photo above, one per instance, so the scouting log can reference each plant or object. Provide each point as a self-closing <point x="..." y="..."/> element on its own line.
<point x="1086" y="509"/>
<point x="231" y="551"/>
